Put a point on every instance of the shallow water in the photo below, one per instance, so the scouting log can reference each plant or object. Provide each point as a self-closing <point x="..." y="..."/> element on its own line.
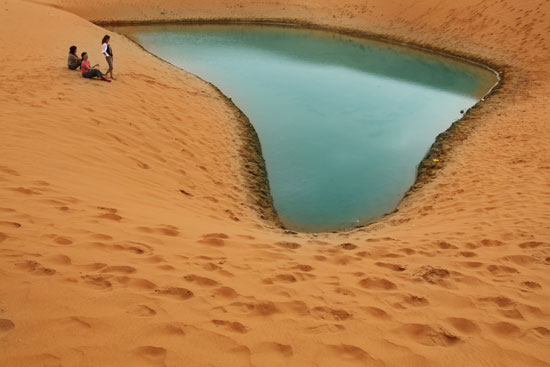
<point x="343" y="122"/>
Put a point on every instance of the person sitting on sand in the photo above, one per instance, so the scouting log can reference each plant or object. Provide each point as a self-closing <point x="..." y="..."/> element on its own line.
<point x="89" y="71"/>
<point x="74" y="61"/>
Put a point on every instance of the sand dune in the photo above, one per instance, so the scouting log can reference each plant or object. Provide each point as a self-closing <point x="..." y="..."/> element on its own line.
<point x="129" y="235"/>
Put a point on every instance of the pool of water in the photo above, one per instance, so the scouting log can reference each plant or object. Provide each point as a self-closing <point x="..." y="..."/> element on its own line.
<point x="343" y="122"/>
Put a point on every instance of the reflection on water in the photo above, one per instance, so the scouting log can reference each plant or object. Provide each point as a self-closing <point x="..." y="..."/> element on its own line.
<point x="343" y="122"/>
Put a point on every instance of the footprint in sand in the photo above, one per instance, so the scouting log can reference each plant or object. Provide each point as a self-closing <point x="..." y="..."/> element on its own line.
<point x="376" y="312"/>
<point x="288" y="245"/>
<point x="542" y="331"/>
<point x="168" y="230"/>
<point x="202" y="281"/>
<point x="7" y="224"/>
<point x="471" y="264"/>
<point x="258" y="309"/>
<point x="118" y="269"/>
<point x="303" y="267"/>
<point x="327" y="313"/>
<point x="500" y="301"/>
<point x="142" y="311"/>
<point x="394" y="267"/>
<point x="282" y="278"/>
<point x="408" y="251"/>
<point x="171" y="329"/>
<point x="531" y="285"/>
<point x="62" y="240"/>
<point x="521" y="260"/>
<point x="344" y="292"/>
<point x="429" y="336"/>
<point x="501" y="270"/>
<point x="101" y="236"/>
<point x="272" y="354"/>
<point x="109" y="213"/>
<point x="9" y="171"/>
<point x="74" y="322"/>
<point x="142" y="165"/>
<point x="491" y="243"/>
<point x="214" y="239"/>
<point x="505" y="329"/>
<point x="226" y="292"/>
<point x="391" y="255"/>
<point x="417" y="301"/>
<point x="345" y="355"/>
<point x="211" y="267"/>
<point x="175" y="292"/>
<point x="444" y="245"/>
<point x="35" y="268"/>
<point x="132" y="247"/>
<point x="154" y="355"/>
<point x="6" y="326"/>
<point x="348" y="246"/>
<point x="233" y="326"/>
<point x="464" y="325"/>
<point x="432" y="274"/>
<point x="166" y="267"/>
<point x="59" y="259"/>
<point x="377" y="283"/>
<point x="25" y="191"/>
<point x="512" y="314"/>
<point x="97" y="281"/>
<point x="532" y="244"/>
<point x="342" y="260"/>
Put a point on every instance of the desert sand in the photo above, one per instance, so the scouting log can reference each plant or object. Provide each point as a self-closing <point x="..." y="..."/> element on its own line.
<point x="130" y="233"/>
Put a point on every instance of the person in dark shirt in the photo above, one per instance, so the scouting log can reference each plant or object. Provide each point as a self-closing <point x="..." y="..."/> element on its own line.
<point x="73" y="61"/>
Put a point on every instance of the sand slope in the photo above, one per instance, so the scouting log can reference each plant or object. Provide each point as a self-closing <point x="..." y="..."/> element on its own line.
<point x="105" y="261"/>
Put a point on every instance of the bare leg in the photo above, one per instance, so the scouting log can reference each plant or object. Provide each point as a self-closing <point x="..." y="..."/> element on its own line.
<point x="110" y="69"/>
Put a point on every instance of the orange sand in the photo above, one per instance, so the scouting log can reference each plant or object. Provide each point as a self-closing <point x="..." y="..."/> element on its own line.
<point x="105" y="262"/>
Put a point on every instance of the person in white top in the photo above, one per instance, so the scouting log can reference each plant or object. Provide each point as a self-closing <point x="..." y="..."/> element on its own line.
<point x="107" y="51"/>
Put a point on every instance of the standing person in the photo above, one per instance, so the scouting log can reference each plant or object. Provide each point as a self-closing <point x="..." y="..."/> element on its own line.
<point x="89" y="71"/>
<point x="108" y="52"/>
<point x="73" y="61"/>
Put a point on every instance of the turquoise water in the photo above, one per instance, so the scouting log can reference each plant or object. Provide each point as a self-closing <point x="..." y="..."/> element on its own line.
<point x="343" y="122"/>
